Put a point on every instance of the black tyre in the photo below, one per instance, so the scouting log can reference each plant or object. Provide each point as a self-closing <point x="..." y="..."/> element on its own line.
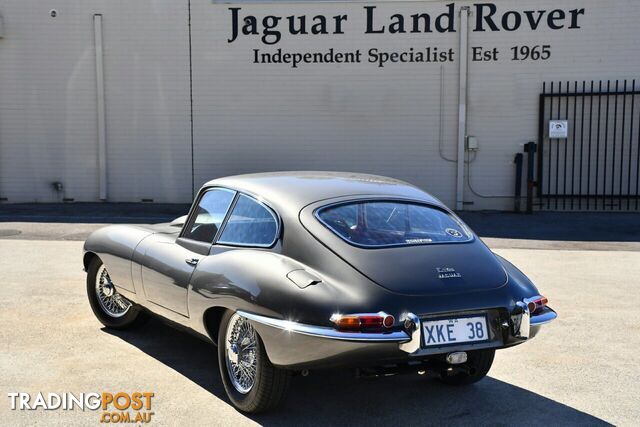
<point x="112" y="309"/>
<point x="478" y="364"/>
<point x="252" y="383"/>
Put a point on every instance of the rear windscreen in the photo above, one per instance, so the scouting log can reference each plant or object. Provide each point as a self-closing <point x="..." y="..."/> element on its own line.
<point x="391" y="223"/>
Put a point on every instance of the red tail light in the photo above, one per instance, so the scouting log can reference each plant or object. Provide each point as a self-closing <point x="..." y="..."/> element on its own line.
<point x="537" y="304"/>
<point x="363" y="322"/>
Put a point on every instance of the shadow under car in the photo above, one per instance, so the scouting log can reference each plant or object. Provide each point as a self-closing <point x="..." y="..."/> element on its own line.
<point x="336" y="397"/>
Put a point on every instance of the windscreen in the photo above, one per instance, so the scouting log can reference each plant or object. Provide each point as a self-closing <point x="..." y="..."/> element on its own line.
<point x="392" y="223"/>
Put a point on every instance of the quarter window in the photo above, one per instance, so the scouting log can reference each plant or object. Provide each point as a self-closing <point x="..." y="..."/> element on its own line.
<point x="208" y="217"/>
<point x="250" y="224"/>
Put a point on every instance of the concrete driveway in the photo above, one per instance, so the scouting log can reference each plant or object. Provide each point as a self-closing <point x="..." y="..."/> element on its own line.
<point x="581" y="370"/>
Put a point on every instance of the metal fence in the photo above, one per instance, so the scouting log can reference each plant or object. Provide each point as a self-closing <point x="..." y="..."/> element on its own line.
<point x="596" y="166"/>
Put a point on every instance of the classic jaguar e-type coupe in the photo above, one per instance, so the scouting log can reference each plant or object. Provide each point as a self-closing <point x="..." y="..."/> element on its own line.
<point x="295" y="271"/>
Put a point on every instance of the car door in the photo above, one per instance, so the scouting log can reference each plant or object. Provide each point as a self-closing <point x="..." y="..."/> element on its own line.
<point x="169" y="262"/>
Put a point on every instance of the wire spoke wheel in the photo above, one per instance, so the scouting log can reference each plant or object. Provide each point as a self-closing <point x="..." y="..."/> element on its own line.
<point x="113" y="304"/>
<point x="241" y="353"/>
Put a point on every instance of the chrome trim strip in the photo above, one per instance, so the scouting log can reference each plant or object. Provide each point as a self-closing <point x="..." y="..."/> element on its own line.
<point x="324" y="332"/>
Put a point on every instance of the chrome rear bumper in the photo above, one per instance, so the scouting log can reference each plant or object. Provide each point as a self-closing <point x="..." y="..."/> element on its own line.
<point x="324" y="332"/>
<point x="297" y="345"/>
<point x="527" y="325"/>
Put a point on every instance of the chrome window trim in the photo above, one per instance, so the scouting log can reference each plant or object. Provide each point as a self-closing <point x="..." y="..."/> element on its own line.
<point x="268" y="208"/>
<point x="326" y="332"/>
<point x="316" y="214"/>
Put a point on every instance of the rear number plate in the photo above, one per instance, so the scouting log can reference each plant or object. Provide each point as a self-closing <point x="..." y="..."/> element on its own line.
<point x="454" y="331"/>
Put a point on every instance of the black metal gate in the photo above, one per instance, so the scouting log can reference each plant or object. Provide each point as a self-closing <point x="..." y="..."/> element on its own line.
<point x="596" y="167"/>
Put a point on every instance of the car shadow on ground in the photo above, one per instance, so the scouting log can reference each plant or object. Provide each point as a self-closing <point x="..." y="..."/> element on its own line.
<point x="336" y="397"/>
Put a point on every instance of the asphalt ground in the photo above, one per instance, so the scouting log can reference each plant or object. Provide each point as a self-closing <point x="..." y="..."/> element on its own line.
<point x="581" y="370"/>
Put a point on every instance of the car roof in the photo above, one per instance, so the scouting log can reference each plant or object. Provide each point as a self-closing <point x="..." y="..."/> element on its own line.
<point x="295" y="190"/>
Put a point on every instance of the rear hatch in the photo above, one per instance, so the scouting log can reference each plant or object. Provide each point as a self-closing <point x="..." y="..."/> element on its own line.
<point x="421" y="262"/>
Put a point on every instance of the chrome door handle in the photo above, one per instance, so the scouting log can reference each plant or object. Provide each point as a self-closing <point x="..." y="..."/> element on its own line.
<point x="192" y="261"/>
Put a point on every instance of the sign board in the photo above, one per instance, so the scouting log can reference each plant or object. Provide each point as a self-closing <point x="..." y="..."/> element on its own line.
<point x="558" y="129"/>
<point x="342" y="34"/>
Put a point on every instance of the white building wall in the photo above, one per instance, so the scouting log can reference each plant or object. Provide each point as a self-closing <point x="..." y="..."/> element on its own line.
<point x="503" y="96"/>
<point x="353" y="117"/>
<point x="48" y="117"/>
<point x="47" y="102"/>
<point x="147" y="100"/>
<point x="258" y="117"/>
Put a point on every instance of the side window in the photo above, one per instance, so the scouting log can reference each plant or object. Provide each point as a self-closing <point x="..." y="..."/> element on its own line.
<point x="250" y="224"/>
<point x="209" y="215"/>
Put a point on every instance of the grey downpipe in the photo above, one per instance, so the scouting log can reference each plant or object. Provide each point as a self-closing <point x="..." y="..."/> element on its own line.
<point x="100" y="108"/>
<point x="462" y="106"/>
